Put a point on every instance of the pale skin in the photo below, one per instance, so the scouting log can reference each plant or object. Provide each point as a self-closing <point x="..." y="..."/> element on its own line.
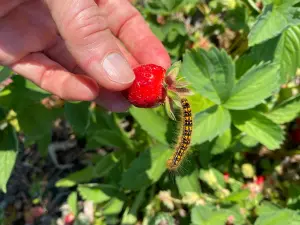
<point x="81" y="50"/>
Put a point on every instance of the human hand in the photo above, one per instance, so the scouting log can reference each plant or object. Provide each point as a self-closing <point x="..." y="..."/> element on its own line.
<point x="76" y="49"/>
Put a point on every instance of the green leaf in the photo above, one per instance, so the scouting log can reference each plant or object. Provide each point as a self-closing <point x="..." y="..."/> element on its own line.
<point x="236" y="19"/>
<point x="210" y="123"/>
<point x="162" y="218"/>
<point x="282" y="50"/>
<point x="157" y="30"/>
<point x="287" y="53"/>
<point x="5" y="73"/>
<point x="287" y="3"/>
<point x="272" y="22"/>
<point x="188" y="182"/>
<point x="237" y="197"/>
<point x="212" y="73"/>
<point x="109" y="138"/>
<point x="78" y="114"/>
<point x="221" y="143"/>
<point x="179" y="27"/>
<point x="267" y="207"/>
<point x="107" y="163"/>
<point x="267" y="2"/>
<point x="113" y="207"/>
<point x="128" y="218"/>
<point x="199" y="103"/>
<point x="43" y="143"/>
<point x="205" y="215"/>
<point x="281" y="217"/>
<point x="205" y="153"/>
<point x="72" y="202"/>
<point x="248" y="141"/>
<point x="167" y="7"/>
<point x="99" y="193"/>
<point x="130" y="214"/>
<point x="264" y="52"/>
<point x="286" y="111"/>
<point x="213" y="178"/>
<point x="258" y="126"/>
<point x="3" y="114"/>
<point x="146" y="169"/>
<point x="8" y="153"/>
<point x="256" y="84"/>
<point x="36" y="121"/>
<point x="293" y="200"/>
<point x="77" y="177"/>
<point x="32" y="86"/>
<point x="154" y="124"/>
<point x="102" y="119"/>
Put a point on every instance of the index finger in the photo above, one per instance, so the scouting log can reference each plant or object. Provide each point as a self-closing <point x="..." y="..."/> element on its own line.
<point x="129" y="26"/>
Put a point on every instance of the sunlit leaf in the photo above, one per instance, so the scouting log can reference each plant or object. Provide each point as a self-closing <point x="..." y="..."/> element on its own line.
<point x="72" y="202"/>
<point x="154" y="124"/>
<point x="280" y="217"/>
<point x="208" y="215"/>
<point x="77" y="177"/>
<point x="287" y="53"/>
<point x="273" y="21"/>
<point x="211" y="73"/>
<point x="286" y="111"/>
<point x="188" y="181"/>
<point x="8" y="154"/>
<point x="255" y="85"/>
<point x="99" y="193"/>
<point x="210" y="123"/>
<point x="258" y="126"/>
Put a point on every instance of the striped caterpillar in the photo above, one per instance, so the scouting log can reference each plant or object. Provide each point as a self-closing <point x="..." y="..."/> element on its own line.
<point x="184" y="139"/>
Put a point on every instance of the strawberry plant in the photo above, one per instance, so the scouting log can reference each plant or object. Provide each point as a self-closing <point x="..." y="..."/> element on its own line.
<point x="236" y="62"/>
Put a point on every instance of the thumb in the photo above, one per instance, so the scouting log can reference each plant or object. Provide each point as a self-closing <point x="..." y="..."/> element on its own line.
<point x="89" y="40"/>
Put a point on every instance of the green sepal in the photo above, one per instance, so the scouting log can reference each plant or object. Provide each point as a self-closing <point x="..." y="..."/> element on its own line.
<point x="170" y="108"/>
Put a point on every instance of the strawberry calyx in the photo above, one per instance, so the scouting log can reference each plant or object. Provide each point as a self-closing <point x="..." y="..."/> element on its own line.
<point x="176" y="89"/>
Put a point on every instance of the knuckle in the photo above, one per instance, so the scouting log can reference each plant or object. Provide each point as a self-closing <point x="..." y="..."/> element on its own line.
<point x="87" y="25"/>
<point x="46" y="81"/>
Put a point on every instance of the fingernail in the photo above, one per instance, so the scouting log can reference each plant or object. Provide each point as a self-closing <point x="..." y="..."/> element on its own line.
<point x="117" y="69"/>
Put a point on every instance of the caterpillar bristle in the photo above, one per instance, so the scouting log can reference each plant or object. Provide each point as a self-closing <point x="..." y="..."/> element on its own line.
<point x="184" y="138"/>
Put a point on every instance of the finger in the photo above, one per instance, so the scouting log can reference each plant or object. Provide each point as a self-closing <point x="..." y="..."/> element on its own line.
<point x="52" y="77"/>
<point x="131" y="60"/>
<point x="112" y="101"/>
<point x="59" y="53"/>
<point x="130" y="27"/>
<point x="14" y="45"/>
<point x="8" y="5"/>
<point x="90" y="41"/>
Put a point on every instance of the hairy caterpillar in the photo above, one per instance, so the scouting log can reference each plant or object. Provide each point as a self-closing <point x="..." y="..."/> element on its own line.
<point x="184" y="139"/>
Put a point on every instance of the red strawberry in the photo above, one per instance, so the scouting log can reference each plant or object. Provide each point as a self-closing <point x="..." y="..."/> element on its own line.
<point x="69" y="219"/>
<point x="260" y="180"/>
<point x="154" y="86"/>
<point x="226" y="176"/>
<point x="148" y="89"/>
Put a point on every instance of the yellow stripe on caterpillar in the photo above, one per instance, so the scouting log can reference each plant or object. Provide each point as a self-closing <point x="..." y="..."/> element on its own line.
<point x="184" y="139"/>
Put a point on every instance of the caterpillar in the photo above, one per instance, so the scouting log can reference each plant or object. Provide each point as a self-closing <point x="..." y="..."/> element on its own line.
<point x="184" y="139"/>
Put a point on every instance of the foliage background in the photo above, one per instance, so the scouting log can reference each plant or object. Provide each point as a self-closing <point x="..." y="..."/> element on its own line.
<point x="73" y="158"/>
